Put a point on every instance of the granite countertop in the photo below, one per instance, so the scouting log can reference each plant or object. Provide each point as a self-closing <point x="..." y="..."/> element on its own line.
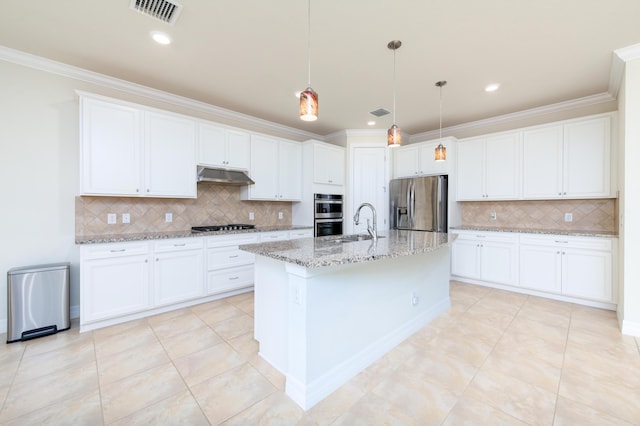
<point x="120" y="238"/>
<point x="325" y="251"/>
<point x="538" y="231"/>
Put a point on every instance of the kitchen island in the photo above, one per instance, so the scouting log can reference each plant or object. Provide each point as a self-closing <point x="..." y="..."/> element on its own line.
<point x="326" y="308"/>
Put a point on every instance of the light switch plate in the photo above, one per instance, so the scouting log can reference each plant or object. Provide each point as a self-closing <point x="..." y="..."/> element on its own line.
<point x="112" y="219"/>
<point x="126" y="218"/>
<point x="168" y="217"/>
<point x="568" y="217"/>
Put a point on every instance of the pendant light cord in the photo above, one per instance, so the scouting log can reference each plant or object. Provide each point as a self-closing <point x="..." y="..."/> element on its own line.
<point x="309" y="43"/>
<point x="441" y="111"/>
<point x="394" y="86"/>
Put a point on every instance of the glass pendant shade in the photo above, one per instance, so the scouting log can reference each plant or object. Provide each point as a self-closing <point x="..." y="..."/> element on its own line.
<point x="394" y="136"/>
<point x="441" y="153"/>
<point x="308" y="105"/>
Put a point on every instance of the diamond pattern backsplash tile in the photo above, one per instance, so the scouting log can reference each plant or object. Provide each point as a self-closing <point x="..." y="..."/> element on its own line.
<point x="588" y="215"/>
<point x="215" y="205"/>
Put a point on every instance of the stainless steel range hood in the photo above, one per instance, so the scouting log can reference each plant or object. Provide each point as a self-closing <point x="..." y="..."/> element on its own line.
<point x="222" y="176"/>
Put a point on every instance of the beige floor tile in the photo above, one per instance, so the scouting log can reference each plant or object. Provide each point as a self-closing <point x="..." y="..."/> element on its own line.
<point x="126" y="396"/>
<point x="548" y="313"/>
<point x="166" y="316"/>
<point x="519" y="399"/>
<point x="207" y="306"/>
<point x="77" y="352"/>
<point x="82" y="410"/>
<point x="556" y="334"/>
<point x="200" y="366"/>
<point x="465" y="347"/>
<point x="426" y="402"/>
<point x="571" y="413"/>
<point x="602" y="364"/>
<point x="486" y="332"/>
<point x="50" y="389"/>
<point x="234" y="327"/>
<point x="131" y="361"/>
<point x="178" y="409"/>
<point x="329" y="409"/>
<point x="226" y="395"/>
<point x="489" y="314"/>
<point x="471" y="289"/>
<point x="138" y="333"/>
<point x="502" y="301"/>
<point x="606" y="395"/>
<point x="119" y="330"/>
<point x="59" y="340"/>
<point x="448" y="371"/>
<point x="612" y="340"/>
<point x="219" y="314"/>
<point x="275" y="377"/>
<point x="372" y="409"/>
<point x="276" y="409"/>
<point x="190" y="341"/>
<point x="178" y="325"/>
<point x="528" y="369"/>
<point x="241" y="298"/>
<point x="470" y="411"/>
<point x="526" y="345"/>
<point x="10" y="358"/>
<point x="245" y="344"/>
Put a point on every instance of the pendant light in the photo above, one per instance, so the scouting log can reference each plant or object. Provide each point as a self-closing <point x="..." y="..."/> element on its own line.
<point x="441" y="151"/>
<point x="309" y="97"/>
<point x="394" y="134"/>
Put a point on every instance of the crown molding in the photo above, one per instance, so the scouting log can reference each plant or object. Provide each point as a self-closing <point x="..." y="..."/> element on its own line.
<point x="520" y="115"/>
<point x="43" y="64"/>
<point x="618" y="60"/>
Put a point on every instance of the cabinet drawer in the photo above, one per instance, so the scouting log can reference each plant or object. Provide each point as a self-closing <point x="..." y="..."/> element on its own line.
<point x="265" y="237"/>
<point x="302" y="233"/>
<point x="178" y="244"/>
<point x="102" y="251"/>
<point x="504" y="237"/>
<point x="229" y="279"/>
<point x="232" y="240"/>
<point x="592" y="243"/>
<point x="225" y="257"/>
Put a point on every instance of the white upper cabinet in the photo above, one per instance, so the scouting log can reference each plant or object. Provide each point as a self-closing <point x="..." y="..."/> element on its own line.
<point x="328" y="164"/>
<point x="169" y="156"/>
<point x="276" y="168"/>
<point x="221" y="147"/>
<point x="127" y="150"/>
<point x="419" y="159"/>
<point x="489" y="168"/>
<point x="570" y="160"/>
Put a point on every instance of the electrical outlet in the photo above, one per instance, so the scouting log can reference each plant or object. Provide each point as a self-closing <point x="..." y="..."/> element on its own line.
<point x="568" y="217"/>
<point x="168" y="217"/>
<point x="280" y="215"/>
<point x="415" y="299"/>
<point x="126" y="218"/>
<point x="493" y="216"/>
<point x="112" y="219"/>
<point x="251" y="216"/>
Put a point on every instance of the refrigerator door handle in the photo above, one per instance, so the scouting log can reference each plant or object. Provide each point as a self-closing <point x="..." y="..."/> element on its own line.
<point x="412" y="204"/>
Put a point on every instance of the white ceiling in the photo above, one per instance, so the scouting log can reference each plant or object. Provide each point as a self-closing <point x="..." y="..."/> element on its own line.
<point x="250" y="56"/>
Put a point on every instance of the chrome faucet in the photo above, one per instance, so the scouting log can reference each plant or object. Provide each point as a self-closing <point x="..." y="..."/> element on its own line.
<point x="372" y="230"/>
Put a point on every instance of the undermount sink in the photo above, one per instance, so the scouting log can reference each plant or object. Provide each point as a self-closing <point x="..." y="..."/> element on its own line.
<point x="353" y="238"/>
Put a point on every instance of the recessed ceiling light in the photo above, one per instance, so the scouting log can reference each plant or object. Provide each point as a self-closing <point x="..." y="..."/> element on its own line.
<point x="160" y="38"/>
<point x="492" y="87"/>
<point x="371" y="123"/>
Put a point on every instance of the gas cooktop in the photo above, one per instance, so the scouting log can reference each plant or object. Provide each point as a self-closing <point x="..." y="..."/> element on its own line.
<point x="229" y="227"/>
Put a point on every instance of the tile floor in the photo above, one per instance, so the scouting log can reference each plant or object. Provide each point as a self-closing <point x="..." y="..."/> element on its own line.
<point x="495" y="358"/>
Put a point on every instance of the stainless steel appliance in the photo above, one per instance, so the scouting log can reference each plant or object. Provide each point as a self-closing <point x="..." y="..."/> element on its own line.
<point x="327" y="214"/>
<point x="419" y="204"/>
<point x="38" y="301"/>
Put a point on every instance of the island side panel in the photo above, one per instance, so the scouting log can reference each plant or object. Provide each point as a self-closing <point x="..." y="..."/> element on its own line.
<point x="341" y="319"/>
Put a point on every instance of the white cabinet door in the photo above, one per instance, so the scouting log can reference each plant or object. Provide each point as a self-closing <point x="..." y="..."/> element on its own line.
<point x="499" y="261"/>
<point x="587" y="274"/>
<point x="238" y="149"/>
<point x="587" y="162"/>
<point x="328" y="164"/>
<point x="111" y="145"/>
<point x="502" y="167"/>
<point x="541" y="268"/>
<point x="264" y="169"/>
<point x="228" y="279"/>
<point x="212" y="146"/>
<point x="428" y="163"/>
<point x="170" y="146"/>
<point x="471" y="170"/>
<point x="111" y="287"/>
<point x="406" y="161"/>
<point x="178" y="276"/>
<point x="290" y="171"/>
<point x="465" y="258"/>
<point x="542" y="163"/>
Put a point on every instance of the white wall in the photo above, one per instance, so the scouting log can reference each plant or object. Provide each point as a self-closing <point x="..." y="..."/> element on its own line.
<point x="38" y="172"/>
<point x="630" y="199"/>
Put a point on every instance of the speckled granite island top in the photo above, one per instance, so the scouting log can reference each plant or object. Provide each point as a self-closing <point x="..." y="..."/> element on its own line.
<point x="326" y="251"/>
<point x="537" y="231"/>
<point x="120" y="238"/>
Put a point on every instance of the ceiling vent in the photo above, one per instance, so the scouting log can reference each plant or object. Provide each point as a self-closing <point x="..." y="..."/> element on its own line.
<point x="380" y="112"/>
<point x="163" y="10"/>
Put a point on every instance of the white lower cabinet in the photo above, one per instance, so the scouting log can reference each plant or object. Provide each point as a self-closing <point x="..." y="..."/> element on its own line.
<point x="114" y="280"/>
<point x="228" y="267"/>
<point x="178" y="273"/>
<point x="485" y="256"/>
<point x="579" y="269"/>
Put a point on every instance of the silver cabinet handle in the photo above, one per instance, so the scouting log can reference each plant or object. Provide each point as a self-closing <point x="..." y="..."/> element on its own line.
<point x="562" y="242"/>
<point x="234" y="278"/>
<point x="118" y="251"/>
<point x="180" y="245"/>
<point x="231" y="257"/>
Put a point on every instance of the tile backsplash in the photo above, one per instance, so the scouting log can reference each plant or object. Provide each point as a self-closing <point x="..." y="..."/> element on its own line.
<point x="216" y="204"/>
<point x="588" y="214"/>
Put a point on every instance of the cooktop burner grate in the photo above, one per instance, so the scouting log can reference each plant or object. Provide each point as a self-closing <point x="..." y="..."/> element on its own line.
<point x="229" y="227"/>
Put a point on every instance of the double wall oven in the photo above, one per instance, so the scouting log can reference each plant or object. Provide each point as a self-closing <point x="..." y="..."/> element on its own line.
<point x="327" y="214"/>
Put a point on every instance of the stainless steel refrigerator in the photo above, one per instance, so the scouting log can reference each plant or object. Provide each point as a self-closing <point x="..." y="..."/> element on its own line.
<point x="419" y="204"/>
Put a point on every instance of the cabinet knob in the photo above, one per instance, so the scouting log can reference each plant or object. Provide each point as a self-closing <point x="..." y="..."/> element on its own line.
<point x="137" y="189"/>
<point x="157" y="260"/>
<point x="147" y="189"/>
<point x="557" y="252"/>
<point x="559" y="193"/>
